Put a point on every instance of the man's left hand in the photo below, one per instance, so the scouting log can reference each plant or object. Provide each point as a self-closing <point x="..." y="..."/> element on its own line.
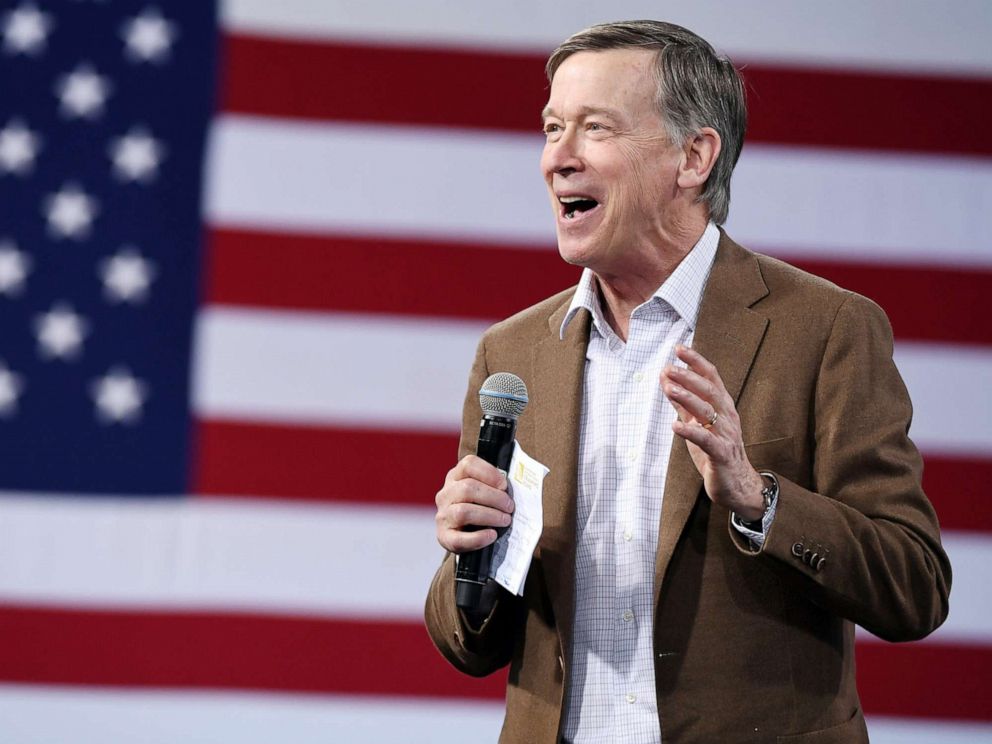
<point x="708" y="421"/>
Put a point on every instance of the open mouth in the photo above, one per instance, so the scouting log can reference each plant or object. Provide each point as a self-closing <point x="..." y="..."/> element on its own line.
<point x="576" y="205"/>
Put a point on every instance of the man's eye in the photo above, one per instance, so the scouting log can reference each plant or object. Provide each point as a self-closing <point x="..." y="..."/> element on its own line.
<point x="594" y="126"/>
<point x="551" y="128"/>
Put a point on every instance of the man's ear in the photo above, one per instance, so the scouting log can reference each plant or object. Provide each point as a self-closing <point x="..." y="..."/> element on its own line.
<point x="699" y="157"/>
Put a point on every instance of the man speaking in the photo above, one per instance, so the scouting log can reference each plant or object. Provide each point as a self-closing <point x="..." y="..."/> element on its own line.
<point x="731" y="484"/>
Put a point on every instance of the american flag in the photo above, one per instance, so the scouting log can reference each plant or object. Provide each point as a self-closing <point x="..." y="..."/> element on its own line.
<point x="245" y="255"/>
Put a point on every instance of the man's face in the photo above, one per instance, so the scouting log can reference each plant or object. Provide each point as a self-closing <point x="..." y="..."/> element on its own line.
<point x="608" y="163"/>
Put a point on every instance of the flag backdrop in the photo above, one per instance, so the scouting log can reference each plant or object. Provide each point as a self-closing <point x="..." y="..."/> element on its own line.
<point x="245" y="256"/>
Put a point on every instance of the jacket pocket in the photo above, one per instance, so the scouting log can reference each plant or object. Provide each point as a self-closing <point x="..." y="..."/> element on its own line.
<point x="852" y="731"/>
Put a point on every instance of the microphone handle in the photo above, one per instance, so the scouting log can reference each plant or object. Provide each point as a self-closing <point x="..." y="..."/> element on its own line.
<point x="495" y="447"/>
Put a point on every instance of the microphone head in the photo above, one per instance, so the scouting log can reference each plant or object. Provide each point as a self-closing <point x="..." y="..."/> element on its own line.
<point x="503" y="394"/>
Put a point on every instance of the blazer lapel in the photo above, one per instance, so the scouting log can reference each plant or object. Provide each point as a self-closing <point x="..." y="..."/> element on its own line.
<point x="728" y="333"/>
<point x="559" y="366"/>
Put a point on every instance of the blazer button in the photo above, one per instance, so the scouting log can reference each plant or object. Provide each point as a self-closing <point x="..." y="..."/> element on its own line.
<point x="819" y="564"/>
<point x="807" y="556"/>
<point x="797" y="550"/>
<point x="561" y="662"/>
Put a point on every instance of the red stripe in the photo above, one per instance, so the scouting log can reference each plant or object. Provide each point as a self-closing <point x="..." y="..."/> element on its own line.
<point x="271" y="461"/>
<point x="227" y="651"/>
<point x="268" y="652"/>
<point x="380" y="275"/>
<point x="958" y="487"/>
<point x="925" y="680"/>
<point x="458" y="280"/>
<point x="923" y="302"/>
<point x="505" y="90"/>
<point x="311" y="463"/>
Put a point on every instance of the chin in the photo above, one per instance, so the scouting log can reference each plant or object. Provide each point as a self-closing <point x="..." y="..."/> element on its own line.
<point x="575" y="252"/>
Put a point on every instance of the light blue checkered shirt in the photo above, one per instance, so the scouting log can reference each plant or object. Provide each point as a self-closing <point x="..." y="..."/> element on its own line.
<point x="624" y="443"/>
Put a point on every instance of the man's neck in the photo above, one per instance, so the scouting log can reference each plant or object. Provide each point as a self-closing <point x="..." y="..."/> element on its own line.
<point x="621" y="292"/>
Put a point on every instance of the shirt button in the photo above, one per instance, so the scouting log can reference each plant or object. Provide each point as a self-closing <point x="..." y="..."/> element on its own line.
<point x="627" y="616"/>
<point x="632" y="455"/>
<point x="630" y="697"/>
<point x="628" y="535"/>
<point x="638" y="376"/>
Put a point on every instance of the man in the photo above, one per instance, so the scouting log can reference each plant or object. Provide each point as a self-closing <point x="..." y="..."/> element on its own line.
<point x="731" y="484"/>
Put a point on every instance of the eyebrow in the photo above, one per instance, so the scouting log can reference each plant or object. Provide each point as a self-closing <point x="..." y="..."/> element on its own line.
<point x="584" y="111"/>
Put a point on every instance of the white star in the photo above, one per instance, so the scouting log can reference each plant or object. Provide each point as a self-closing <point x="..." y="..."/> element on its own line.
<point x="82" y="93"/>
<point x="119" y="396"/>
<point x="70" y="212"/>
<point x="11" y="386"/>
<point x="136" y="156"/>
<point x="18" y="148"/>
<point x="25" y="29"/>
<point x="148" y="36"/>
<point x="126" y="276"/>
<point x="60" y="332"/>
<point x="14" y="268"/>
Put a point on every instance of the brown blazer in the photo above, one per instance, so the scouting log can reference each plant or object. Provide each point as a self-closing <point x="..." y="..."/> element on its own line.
<point x="750" y="646"/>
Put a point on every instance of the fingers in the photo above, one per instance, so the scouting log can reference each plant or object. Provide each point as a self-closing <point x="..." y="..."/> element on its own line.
<point x="473" y="498"/>
<point x="475" y="467"/>
<point x="689" y="405"/>
<point x="699" y="364"/>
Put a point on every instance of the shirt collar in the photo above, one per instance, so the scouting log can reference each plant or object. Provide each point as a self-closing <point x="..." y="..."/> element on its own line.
<point x="682" y="290"/>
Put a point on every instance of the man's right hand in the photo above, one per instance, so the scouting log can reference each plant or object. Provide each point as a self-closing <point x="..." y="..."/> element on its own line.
<point x="474" y="496"/>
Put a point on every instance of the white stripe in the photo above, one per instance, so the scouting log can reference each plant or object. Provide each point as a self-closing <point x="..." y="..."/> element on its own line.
<point x="386" y="370"/>
<point x="942" y="36"/>
<point x="944" y="379"/>
<point x="317" y="368"/>
<point x="42" y="715"/>
<point x="377" y="180"/>
<point x="863" y="206"/>
<point x="273" y="557"/>
<point x="217" y="555"/>
<point x="485" y="187"/>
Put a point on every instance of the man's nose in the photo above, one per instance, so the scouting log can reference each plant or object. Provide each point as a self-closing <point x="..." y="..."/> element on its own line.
<point x="564" y="155"/>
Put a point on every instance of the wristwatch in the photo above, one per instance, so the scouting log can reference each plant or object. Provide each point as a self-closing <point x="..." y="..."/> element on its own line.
<point x="768" y="495"/>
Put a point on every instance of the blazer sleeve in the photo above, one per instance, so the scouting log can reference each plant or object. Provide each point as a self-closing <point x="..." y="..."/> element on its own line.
<point x="478" y="648"/>
<point x="865" y="539"/>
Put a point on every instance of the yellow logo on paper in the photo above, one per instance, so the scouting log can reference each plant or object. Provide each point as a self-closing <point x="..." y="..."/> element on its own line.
<point x="525" y="476"/>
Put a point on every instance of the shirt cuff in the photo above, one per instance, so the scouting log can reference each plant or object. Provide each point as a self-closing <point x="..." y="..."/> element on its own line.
<point x="757" y="538"/>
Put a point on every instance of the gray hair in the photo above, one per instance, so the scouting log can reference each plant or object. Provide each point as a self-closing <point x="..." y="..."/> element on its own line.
<point x="696" y="88"/>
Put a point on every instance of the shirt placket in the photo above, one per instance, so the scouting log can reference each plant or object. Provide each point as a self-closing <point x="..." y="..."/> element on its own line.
<point x="633" y="411"/>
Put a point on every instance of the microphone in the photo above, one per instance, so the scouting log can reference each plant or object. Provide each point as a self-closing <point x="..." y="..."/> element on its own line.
<point x="503" y="397"/>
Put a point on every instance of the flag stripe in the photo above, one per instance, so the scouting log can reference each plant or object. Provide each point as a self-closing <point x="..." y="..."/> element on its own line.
<point x="284" y="367"/>
<point x="229" y="651"/>
<point x="32" y="714"/>
<point x="434" y="278"/>
<point x="440" y="87"/>
<point x="845" y="33"/>
<point x="302" y="462"/>
<point x="254" y="652"/>
<point x="957" y="680"/>
<point x="957" y="487"/>
<point x="327" y="560"/>
<point x="276" y="174"/>
<point x="93" y="715"/>
<point x="227" y="555"/>
<point x="312" y="463"/>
